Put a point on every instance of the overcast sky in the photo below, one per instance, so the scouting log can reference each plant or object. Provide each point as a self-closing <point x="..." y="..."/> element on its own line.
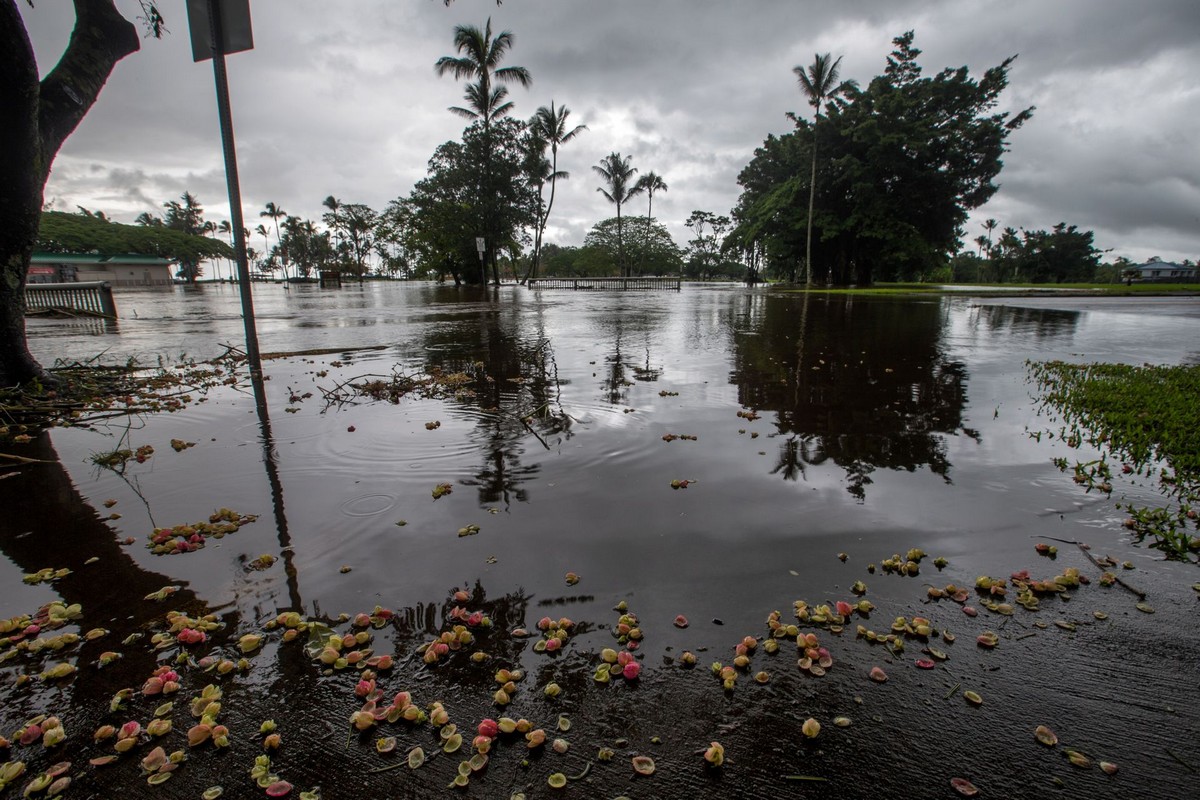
<point x="340" y="97"/>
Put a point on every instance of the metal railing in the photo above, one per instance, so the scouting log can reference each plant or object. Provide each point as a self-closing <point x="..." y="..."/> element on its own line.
<point x="93" y="298"/>
<point x="642" y="283"/>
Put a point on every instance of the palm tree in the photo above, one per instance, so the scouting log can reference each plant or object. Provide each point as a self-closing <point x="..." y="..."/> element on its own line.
<point x="479" y="60"/>
<point x="276" y="213"/>
<point x="549" y="127"/>
<point x="618" y="174"/>
<point x="989" y="225"/>
<point x="226" y="227"/>
<point x="650" y="183"/>
<point x="261" y="230"/>
<point x="333" y="204"/>
<point x="819" y="84"/>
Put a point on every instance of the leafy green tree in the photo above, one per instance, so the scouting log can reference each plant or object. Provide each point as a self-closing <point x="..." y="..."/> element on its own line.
<point x="392" y="231"/>
<point x="550" y="128"/>
<point x="478" y="62"/>
<point x="308" y="248"/>
<point x="618" y="174"/>
<point x="446" y="206"/>
<point x="646" y="243"/>
<point x="1063" y="254"/>
<point x="82" y="233"/>
<point x="360" y="222"/>
<point x="819" y="82"/>
<point x="186" y="215"/>
<point x="934" y="143"/>
<point x="706" y="257"/>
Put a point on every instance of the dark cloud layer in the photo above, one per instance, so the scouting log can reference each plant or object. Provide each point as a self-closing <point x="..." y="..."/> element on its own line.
<point x="341" y="98"/>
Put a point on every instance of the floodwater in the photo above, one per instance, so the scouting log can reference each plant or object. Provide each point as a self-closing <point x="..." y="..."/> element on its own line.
<point x="824" y="426"/>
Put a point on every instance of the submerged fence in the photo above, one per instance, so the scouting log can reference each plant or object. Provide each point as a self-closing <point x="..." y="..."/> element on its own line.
<point x="94" y="298"/>
<point x="643" y="284"/>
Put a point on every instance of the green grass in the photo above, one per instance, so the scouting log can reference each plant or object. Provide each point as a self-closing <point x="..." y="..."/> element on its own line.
<point x="1002" y="289"/>
<point x="1146" y="417"/>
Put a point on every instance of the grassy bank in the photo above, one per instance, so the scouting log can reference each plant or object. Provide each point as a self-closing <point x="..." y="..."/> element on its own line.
<point x="1143" y="418"/>
<point x="1004" y="289"/>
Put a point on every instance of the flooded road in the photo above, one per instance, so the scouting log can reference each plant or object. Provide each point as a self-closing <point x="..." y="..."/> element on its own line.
<point x="829" y="434"/>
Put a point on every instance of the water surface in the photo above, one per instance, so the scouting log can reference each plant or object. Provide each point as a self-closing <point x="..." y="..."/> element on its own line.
<point x="859" y="426"/>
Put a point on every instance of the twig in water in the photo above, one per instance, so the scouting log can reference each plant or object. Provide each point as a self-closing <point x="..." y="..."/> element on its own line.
<point x="1086" y="550"/>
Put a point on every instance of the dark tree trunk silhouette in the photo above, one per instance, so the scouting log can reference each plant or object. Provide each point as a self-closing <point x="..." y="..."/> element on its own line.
<point x="37" y="119"/>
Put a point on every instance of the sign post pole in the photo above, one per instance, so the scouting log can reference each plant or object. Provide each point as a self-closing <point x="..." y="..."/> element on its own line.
<point x="228" y="30"/>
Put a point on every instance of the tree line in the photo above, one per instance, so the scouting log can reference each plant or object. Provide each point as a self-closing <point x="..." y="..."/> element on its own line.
<point x="878" y="185"/>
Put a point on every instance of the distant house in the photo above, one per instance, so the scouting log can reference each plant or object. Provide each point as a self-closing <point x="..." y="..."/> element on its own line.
<point x="1161" y="272"/>
<point x="118" y="270"/>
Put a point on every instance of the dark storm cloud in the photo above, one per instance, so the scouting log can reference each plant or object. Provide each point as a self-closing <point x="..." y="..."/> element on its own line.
<point x="341" y="98"/>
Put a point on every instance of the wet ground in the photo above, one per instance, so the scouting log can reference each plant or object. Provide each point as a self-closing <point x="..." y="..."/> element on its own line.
<point x="823" y="427"/>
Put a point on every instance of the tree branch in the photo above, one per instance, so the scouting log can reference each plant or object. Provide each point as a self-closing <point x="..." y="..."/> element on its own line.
<point x="100" y="39"/>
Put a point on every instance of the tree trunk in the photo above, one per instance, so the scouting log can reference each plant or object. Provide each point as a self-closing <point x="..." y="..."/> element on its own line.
<point x="621" y="245"/>
<point x="812" y="196"/>
<point x="37" y="120"/>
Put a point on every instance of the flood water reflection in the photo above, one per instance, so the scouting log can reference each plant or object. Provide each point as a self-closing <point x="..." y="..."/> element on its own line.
<point x="804" y="427"/>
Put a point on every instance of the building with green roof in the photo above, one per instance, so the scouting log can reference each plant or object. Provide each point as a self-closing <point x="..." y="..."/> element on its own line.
<point x="117" y="270"/>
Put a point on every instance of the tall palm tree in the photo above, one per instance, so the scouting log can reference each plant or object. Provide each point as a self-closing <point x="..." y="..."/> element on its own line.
<point x="549" y="126"/>
<point x="262" y="231"/>
<point x="650" y="183"/>
<point x="333" y="204"/>
<point x="990" y="225"/>
<point x="276" y="213"/>
<point x="618" y="175"/>
<point x="819" y="84"/>
<point x="226" y="227"/>
<point x="478" y="61"/>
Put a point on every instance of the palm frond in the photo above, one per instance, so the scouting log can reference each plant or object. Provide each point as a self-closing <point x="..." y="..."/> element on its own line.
<point x="519" y="75"/>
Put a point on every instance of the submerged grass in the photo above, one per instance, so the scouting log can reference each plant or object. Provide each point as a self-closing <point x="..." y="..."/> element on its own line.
<point x="1145" y="417"/>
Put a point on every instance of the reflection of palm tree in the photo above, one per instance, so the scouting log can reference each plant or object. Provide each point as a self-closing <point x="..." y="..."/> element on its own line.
<point x="550" y="127"/>
<point x="618" y="174"/>
<point x="650" y="183"/>
<point x="819" y="84"/>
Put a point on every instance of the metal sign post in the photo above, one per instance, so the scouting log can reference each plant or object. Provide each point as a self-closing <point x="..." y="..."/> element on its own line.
<point x="219" y="27"/>
<point x="481" y="246"/>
